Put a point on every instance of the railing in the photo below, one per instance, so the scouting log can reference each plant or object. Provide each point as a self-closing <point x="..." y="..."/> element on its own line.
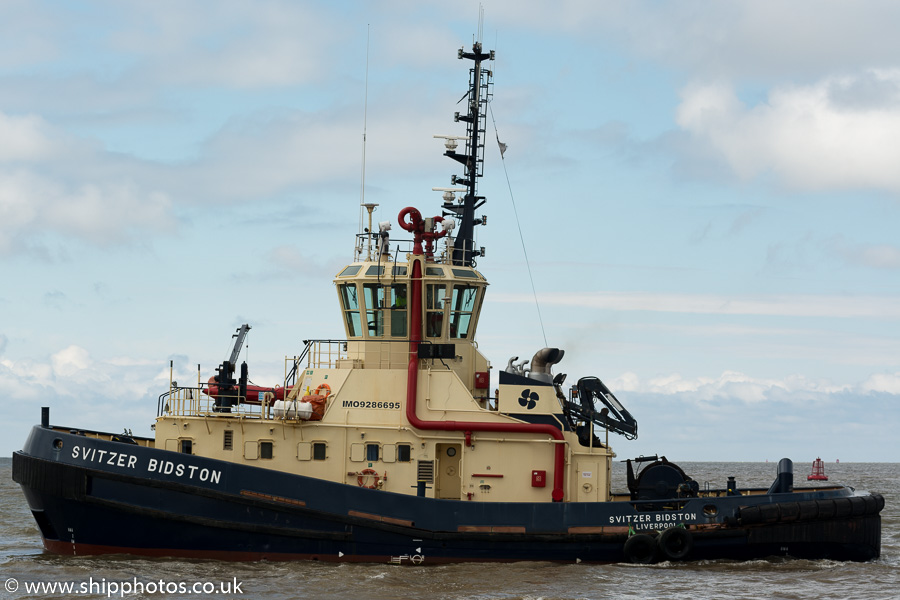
<point x="194" y="401"/>
<point x="325" y="354"/>
<point x="367" y="249"/>
<point x="317" y="354"/>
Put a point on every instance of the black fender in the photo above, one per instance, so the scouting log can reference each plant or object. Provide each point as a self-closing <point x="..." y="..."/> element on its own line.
<point x="640" y="549"/>
<point x="675" y="543"/>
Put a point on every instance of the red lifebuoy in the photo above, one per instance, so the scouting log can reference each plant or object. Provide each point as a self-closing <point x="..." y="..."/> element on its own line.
<point x="325" y="386"/>
<point x="363" y="475"/>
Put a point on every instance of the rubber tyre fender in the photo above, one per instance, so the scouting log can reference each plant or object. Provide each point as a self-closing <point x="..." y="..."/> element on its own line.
<point x="675" y="543"/>
<point x="842" y="508"/>
<point x="809" y="510"/>
<point x="750" y="515"/>
<point x="857" y="506"/>
<point x="826" y="509"/>
<point x="640" y="549"/>
<point x="790" y="511"/>
<point x="769" y="513"/>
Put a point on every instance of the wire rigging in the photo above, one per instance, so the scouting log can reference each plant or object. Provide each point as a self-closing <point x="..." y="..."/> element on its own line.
<point x="512" y="200"/>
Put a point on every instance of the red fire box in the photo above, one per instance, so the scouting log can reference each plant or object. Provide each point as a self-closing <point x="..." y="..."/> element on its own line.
<point x="482" y="380"/>
<point x="539" y="479"/>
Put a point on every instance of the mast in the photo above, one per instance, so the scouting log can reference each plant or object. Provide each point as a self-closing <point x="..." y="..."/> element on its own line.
<point x="463" y="210"/>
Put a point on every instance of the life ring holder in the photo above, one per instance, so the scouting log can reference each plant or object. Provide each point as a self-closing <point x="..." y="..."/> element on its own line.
<point x="364" y="474"/>
<point x="326" y="387"/>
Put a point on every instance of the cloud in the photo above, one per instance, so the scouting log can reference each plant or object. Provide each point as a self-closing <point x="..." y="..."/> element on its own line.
<point x="25" y="137"/>
<point x="101" y="213"/>
<point x="757" y="39"/>
<point x="235" y="45"/>
<point x="888" y="383"/>
<point x="876" y="307"/>
<point x="876" y="256"/>
<point x="82" y="390"/>
<point x="839" y="132"/>
<point x="70" y="361"/>
<point x="733" y="386"/>
<point x="53" y="182"/>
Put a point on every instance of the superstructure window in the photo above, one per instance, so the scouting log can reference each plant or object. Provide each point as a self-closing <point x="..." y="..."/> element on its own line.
<point x="265" y="449"/>
<point x="371" y="452"/>
<point x="462" y="306"/>
<point x="318" y="450"/>
<point x="187" y="446"/>
<point x="350" y="304"/>
<point x="403" y="453"/>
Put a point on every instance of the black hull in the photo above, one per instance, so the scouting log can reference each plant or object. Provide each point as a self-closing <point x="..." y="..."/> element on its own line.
<point x="236" y="512"/>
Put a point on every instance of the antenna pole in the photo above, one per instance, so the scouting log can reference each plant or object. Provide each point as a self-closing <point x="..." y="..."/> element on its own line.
<point x="478" y="96"/>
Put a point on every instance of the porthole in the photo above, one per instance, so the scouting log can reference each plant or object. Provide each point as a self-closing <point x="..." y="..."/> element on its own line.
<point x="451" y="451"/>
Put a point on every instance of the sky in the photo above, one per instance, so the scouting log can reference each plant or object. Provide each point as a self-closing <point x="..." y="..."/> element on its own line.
<point x="708" y="196"/>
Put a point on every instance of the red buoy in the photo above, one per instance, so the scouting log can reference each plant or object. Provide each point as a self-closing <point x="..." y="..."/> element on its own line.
<point x="818" y="471"/>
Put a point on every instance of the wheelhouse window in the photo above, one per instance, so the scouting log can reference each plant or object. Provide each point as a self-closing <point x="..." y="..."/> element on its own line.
<point x="350" y="304"/>
<point x="434" y="310"/>
<point x="374" y="298"/>
<point x="398" y="310"/>
<point x="462" y="306"/>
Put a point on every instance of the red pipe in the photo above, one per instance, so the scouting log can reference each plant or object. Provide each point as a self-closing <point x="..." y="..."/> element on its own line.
<point x="412" y="386"/>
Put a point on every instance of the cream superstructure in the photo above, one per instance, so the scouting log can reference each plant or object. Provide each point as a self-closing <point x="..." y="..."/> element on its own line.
<point x="364" y="437"/>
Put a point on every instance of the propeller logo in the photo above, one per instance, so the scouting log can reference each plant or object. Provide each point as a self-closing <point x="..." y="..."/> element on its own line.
<point x="529" y="399"/>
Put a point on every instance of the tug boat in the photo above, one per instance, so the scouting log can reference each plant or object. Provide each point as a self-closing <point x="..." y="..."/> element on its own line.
<point x="387" y="445"/>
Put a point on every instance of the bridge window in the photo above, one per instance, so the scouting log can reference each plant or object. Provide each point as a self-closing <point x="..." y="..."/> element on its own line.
<point x="398" y="310"/>
<point x="350" y="303"/>
<point x="350" y="271"/>
<point x="374" y="295"/>
<point x="434" y="310"/>
<point x="462" y="306"/>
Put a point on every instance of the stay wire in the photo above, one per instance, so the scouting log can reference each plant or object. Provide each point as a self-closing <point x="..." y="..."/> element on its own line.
<point x="518" y="224"/>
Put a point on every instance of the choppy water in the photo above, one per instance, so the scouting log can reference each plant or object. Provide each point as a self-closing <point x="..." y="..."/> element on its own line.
<point x="22" y="558"/>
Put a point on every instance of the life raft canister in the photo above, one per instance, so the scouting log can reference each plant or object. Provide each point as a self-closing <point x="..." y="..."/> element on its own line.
<point x="318" y="400"/>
